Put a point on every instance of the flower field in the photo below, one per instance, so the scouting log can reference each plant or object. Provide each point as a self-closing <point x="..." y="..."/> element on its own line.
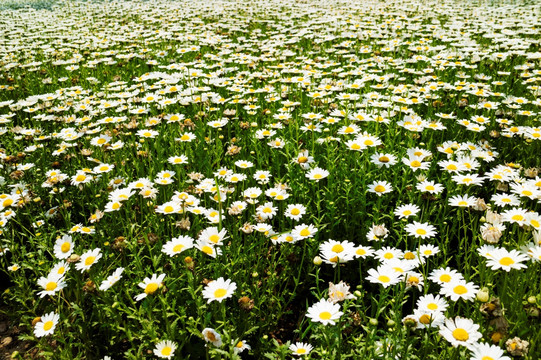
<point x="270" y="179"/>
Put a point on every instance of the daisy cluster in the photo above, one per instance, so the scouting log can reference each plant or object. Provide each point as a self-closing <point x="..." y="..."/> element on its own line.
<point x="220" y="160"/>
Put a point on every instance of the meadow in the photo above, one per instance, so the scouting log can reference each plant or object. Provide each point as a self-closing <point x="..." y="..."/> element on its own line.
<point x="270" y="179"/>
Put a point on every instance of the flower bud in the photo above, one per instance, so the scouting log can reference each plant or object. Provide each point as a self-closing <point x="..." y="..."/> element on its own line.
<point x="373" y="322"/>
<point x="483" y="295"/>
<point x="317" y="261"/>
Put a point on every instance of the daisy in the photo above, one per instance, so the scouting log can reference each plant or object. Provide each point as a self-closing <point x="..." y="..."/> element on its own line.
<point x="60" y="268"/>
<point x="460" y="331"/>
<point x="300" y="348"/>
<point x="240" y="346"/>
<point x="165" y="349"/>
<point x="428" y="319"/>
<point x="150" y="286"/>
<point x="219" y="290"/>
<point x="407" y="210"/>
<point x="386" y="160"/>
<point x="186" y="137"/>
<point x="334" y="252"/>
<point x="428" y="250"/>
<point x="416" y="163"/>
<point x="388" y="253"/>
<point x="506" y="260"/>
<point x="295" y="211"/>
<point x="317" y="174"/>
<point x="177" y="245"/>
<point x="505" y="200"/>
<point x="51" y="284"/>
<point x="46" y="324"/>
<point x="421" y="230"/>
<point x="380" y="187"/>
<point x="207" y="248"/>
<point x="210" y="335"/>
<point x="111" y="279"/>
<point x="432" y="303"/>
<point x="63" y="247"/>
<point x="363" y="251"/>
<point x="170" y="207"/>
<point x="515" y="215"/>
<point x="212" y="236"/>
<point x="482" y="351"/>
<point x="324" y="312"/>
<point x="459" y="289"/>
<point x="339" y="292"/>
<point x="462" y="201"/>
<point x="177" y="160"/>
<point x="445" y="276"/>
<point x="88" y="259"/>
<point x="384" y="275"/>
<point x="430" y="187"/>
<point x="303" y="231"/>
<point x="266" y="211"/>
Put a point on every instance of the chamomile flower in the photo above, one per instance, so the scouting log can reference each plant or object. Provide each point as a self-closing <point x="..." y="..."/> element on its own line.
<point x="219" y="290"/>
<point x="304" y="231"/>
<point x="445" y="276"/>
<point x="430" y="187"/>
<point x="384" y="275"/>
<point x="324" y="312"/>
<point x="380" y="188"/>
<point x="61" y="268"/>
<point x="178" y="160"/>
<point x="335" y="252"/>
<point x="460" y="332"/>
<point x="177" y="245"/>
<point x="295" y="211"/>
<point x="317" y="174"/>
<point x="63" y="247"/>
<point x="462" y="201"/>
<point x="46" y="325"/>
<point x="506" y="260"/>
<point x="386" y="160"/>
<point x="432" y="303"/>
<point x="210" y="335"/>
<point x="208" y="248"/>
<point x="88" y="259"/>
<point x="459" y="289"/>
<point x="111" y="279"/>
<point x="421" y="230"/>
<point x="407" y="210"/>
<point x="212" y="236"/>
<point x="300" y="348"/>
<point x="482" y="351"/>
<point x="51" y="284"/>
<point x="165" y="349"/>
<point x="150" y="286"/>
<point x="240" y="346"/>
<point x="428" y="319"/>
<point x="339" y="292"/>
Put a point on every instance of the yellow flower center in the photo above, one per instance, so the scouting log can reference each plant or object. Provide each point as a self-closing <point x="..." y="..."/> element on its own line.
<point x="421" y="231"/>
<point x="305" y="232"/>
<point x="51" y="286"/>
<point x="185" y="137"/>
<point x="506" y="261"/>
<point x="151" y="288"/>
<point x="518" y="217"/>
<point x="168" y="209"/>
<point x="355" y="146"/>
<point x="384" y="279"/>
<point x="89" y="260"/>
<point x="461" y="334"/>
<point x="415" y="163"/>
<point x="80" y="178"/>
<point x="214" y="238"/>
<point x="166" y="351"/>
<point x="220" y="293"/>
<point x="361" y="252"/>
<point x="325" y="315"/>
<point x="445" y="278"/>
<point x="7" y="202"/>
<point x="379" y="188"/>
<point x="487" y="358"/>
<point x="425" y="319"/>
<point x="207" y="250"/>
<point x="301" y="351"/>
<point x="295" y="211"/>
<point x="178" y="248"/>
<point x="432" y="306"/>
<point x="48" y="325"/>
<point x="451" y="167"/>
<point x="368" y="142"/>
<point x="101" y="141"/>
<point x="460" y="289"/>
<point x="65" y="247"/>
<point x="337" y="248"/>
<point x="302" y="159"/>
<point x="430" y="188"/>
